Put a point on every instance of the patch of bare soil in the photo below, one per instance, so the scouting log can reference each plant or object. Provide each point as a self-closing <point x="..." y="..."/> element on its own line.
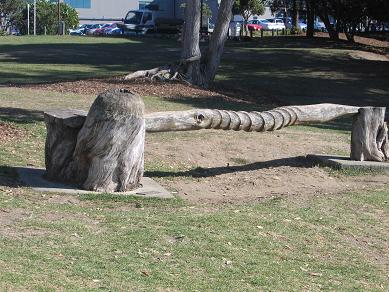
<point x="9" y="218"/>
<point x="142" y="87"/>
<point x="9" y="133"/>
<point x="378" y="46"/>
<point x="361" y="55"/>
<point x="242" y="167"/>
<point x="145" y="87"/>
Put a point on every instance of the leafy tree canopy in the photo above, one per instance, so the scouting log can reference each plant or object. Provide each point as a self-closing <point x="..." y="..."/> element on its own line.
<point x="47" y="17"/>
<point x="247" y="8"/>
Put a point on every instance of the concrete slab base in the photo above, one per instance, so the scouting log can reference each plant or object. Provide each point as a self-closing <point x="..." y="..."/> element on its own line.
<point x="344" y="162"/>
<point x="34" y="178"/>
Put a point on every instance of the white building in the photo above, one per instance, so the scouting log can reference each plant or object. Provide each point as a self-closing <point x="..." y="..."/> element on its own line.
<point x="98" y="10"/>
<point x="115" y="10"/>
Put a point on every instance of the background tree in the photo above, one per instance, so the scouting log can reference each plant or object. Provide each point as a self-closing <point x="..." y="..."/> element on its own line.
<point x="288" y="8"/>
<point x="248" y="8"/>
<point x="8" y="10"/>
<point x="310" y="4"/>
<point x="47" y="17"/>
<point x="196" y="67"/>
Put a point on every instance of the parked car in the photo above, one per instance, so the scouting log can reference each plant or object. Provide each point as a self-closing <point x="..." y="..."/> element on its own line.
<point x="80" y="30"/>
<point x="113" y="30"/>
<point x="272" y="23"/>
<point x="234" y="29"/>
<point x="149" y="21"/>
<point x="301" y="24"/>
<point x="319" y="26"/>
<point x="15" y="31"/>
<point x="92" y="29"/>
<point x="253" y="25"/>
<point x="100" y="30"/>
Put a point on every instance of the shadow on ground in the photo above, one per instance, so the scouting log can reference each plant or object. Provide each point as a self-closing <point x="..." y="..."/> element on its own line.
<point x="20" y="116"/>
<point x="8" y="176"/>
<point x="299" y="161"/>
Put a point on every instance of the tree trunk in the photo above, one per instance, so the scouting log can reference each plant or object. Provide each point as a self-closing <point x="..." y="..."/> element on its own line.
<point x="350" y="32"/>
<point x="217" y="41"/>
<point x="369" y="138"/>
<point x="310" y="19"/>
<point x="295" y="20"/>
<point x="191" y="42"/>
<point x="334" y="35"/>
<point x="110" y="146"/>
<point x="193" y="67"/>
<point x="203" y="72"/>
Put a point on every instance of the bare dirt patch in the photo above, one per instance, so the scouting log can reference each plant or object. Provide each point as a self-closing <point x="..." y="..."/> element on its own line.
<point x="361" y="55"/>
<point x="231" y="167"/>
<point x="376" y="45"/>
<point x="145" y="87"/>
<point x="142" y="87"/>
<point x="9" y="220"/>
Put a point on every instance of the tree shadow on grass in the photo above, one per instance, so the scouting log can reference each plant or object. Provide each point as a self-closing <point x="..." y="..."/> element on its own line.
<point x="220" y="102"/>
<point x="199" y="172"/>
<point x="20" y="116"/>
<point x="72" y="60"/>
<point x="303" y="42"/>
<point x="8" y="176"/>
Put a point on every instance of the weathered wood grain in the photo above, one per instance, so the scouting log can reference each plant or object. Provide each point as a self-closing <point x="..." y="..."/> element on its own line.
<point x="63" y="127"/>
<point x="104" y="151"/>
<point x="247" y="121"/>
<point x="109" y="153"/>
<point x="369" y="137"/>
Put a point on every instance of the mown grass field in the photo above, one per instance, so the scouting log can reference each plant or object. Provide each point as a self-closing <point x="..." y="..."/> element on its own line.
<point x="54" y="242"/>
<point x="293" y="70"/>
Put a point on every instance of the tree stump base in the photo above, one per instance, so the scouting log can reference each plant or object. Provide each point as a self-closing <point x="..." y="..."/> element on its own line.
<point x="105" y="151"/>
<point x="369" y="137"/>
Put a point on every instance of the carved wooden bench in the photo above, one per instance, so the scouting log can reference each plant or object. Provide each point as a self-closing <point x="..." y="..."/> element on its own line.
<point x="103" y="150"/>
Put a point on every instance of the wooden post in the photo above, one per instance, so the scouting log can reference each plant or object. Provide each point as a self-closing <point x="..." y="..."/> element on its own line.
<point x="369" y="138"/>
<point x="272" y="32"/>
<point x="261" y="33"/>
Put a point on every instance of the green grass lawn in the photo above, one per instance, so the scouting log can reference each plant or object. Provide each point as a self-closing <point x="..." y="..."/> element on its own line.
<point x="54" y="242"/>
<point x="51" y="58"/>
<point x="289" y="69"/>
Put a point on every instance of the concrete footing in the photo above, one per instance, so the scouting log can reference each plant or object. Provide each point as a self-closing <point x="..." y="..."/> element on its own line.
<point x="344" y="162"/>
<point x="34" y="178"/>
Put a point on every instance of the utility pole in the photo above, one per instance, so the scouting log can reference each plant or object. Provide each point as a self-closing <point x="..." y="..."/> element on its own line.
<point x="34" y="17"/>
<point x="201" y="16"/>
<point x="28" y="19"/>
<point x="59" y="17"/>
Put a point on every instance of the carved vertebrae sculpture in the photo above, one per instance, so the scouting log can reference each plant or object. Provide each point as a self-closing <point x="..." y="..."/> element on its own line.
<point x="247" y="121"/>
<point x="104" y="150"/>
